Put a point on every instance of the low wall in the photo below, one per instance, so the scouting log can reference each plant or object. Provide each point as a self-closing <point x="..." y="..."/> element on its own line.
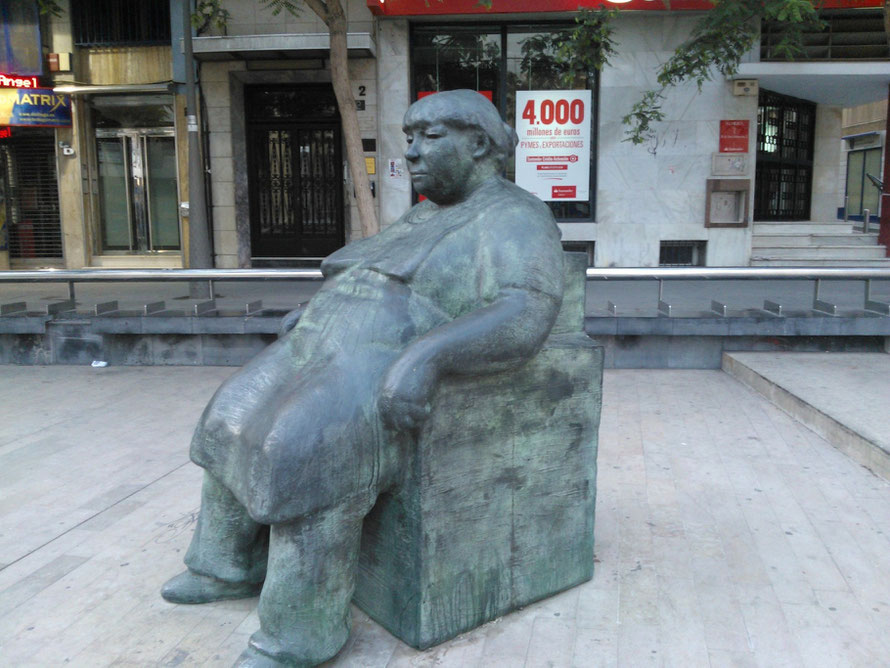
<point x="629" y="342"/>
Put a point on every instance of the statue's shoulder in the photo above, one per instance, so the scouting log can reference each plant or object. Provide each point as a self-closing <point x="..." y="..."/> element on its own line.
<point x="514" y="209"/>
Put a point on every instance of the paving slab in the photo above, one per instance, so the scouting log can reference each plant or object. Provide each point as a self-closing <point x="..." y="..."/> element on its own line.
<point x="844" y="397"/>
<point x="727" y="534"/>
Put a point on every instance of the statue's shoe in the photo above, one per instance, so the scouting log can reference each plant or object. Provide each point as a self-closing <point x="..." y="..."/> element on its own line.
<point x="190" y="587"/>
<point x="253" y="658"/>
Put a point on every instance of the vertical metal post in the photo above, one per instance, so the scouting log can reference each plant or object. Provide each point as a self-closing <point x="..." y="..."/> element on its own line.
<point x="866" y="220"/>
<point x="71" y="290"/>
<point x="818" y="304"/>
<point x="872" y="304"/>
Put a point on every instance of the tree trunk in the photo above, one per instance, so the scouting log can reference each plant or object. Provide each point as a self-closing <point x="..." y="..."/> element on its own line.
<point x="336" y="23"/>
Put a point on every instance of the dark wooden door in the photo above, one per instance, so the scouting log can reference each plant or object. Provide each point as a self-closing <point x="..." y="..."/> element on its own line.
<point x="295" y="172"/>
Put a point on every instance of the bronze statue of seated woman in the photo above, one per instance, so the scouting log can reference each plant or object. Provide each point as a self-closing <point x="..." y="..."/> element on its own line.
<point x="298" y="444"/>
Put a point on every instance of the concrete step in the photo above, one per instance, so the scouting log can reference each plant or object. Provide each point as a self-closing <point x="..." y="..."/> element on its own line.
<point x="758" y="261"/>
<point x="803" y="227"/>
<point x="840" y="396"/>
<point x="821" y="252"/>
<point x="792" y="239"/>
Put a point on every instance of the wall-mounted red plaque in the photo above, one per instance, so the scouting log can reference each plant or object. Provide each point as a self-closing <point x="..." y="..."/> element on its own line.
<point x="734" y="136"/>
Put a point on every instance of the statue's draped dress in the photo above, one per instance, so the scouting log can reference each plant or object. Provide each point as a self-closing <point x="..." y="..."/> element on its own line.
<point x="298" y="428"/>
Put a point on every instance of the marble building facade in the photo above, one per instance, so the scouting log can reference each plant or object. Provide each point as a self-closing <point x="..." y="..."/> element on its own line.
<point x="645" y="195"/>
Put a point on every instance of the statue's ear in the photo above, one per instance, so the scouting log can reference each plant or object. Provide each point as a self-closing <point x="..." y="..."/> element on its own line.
<point x="482" y="146"/>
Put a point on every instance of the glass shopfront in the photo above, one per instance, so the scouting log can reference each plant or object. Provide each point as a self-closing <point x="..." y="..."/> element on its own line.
<point x="497" y="61"/>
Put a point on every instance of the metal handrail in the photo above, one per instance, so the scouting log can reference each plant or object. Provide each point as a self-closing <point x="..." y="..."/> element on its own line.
<point x="150" y="275"/>
<point x="658" y="274"/>
<point x="593" y="274"/>
<point x="737" y="273"/>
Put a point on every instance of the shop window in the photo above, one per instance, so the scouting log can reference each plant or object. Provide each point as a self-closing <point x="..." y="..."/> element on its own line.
<point x="458" y="58"/>
<point x="132" y="111"/>
<point x="120" y="22"/>
<point x="497" y="61"/>
<point x="682" y="254"/>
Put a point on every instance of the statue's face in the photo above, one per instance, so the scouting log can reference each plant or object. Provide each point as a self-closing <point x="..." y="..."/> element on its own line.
<point x="440" y="159"/>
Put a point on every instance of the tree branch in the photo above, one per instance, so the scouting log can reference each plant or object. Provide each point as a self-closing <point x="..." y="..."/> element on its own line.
<point x="718" y="42"/>
<point x="320" y="8"/>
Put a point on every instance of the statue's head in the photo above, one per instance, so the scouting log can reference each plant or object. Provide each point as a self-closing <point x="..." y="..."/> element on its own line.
<point x="456" y="140"/>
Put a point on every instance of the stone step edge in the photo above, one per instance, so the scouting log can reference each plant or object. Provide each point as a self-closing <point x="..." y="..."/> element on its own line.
<point x="816" y="264"/>
<point x="797" y="235"/>
<point x="832" y="247"/>
<point x="853" y="261"/>
<point x="857" y="447"/>
<point x="848" y="223"/>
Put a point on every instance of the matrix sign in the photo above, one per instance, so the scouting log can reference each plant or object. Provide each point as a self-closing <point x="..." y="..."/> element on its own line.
<point x="39" y="107"/>
<point x="553" y="155"/>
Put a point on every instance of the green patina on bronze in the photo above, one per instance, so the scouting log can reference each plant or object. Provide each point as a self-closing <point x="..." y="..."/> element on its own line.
<point x="439" y="381"/>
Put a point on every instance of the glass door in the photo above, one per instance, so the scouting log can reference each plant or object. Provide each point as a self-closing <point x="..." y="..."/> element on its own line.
<point x="863" y="175"/>
<point x="138" y="195"/>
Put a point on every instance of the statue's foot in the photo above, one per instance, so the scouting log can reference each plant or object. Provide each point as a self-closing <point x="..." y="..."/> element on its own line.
<point x="253" y="658"/>
<point x="190" y="587"/>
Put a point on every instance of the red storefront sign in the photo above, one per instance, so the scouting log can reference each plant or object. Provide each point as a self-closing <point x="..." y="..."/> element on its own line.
<point x="18" y="81"/>
<point x="734" y="136"/>
<point x="451" y="7"/>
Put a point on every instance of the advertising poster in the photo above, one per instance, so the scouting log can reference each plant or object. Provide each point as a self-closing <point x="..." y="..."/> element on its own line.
<point x="39" y="107"/>
<point x="20" y="44"/>
<point x="553" y="154"/>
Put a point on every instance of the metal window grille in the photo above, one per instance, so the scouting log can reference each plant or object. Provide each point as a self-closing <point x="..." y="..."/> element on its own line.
<point x="28" y="164"/>
<point x="119" y="22"/>
<point x="853" y="34"/>
<point x="682" y="254"/>
<point x="784" y="174"/>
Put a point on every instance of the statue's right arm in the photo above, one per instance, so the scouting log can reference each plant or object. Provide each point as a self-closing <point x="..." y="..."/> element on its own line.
<point x="524" y="271"/>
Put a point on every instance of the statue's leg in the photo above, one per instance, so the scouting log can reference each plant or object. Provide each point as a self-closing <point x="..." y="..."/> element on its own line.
<point x="228" y="553"/>
<point x="304" y="608"/>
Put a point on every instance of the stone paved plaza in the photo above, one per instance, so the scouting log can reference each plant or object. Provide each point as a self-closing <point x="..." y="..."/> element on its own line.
<point x="727" y="535"/>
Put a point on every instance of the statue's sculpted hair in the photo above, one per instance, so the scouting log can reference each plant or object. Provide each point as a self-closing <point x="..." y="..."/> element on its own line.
<point x="466" y="109"/>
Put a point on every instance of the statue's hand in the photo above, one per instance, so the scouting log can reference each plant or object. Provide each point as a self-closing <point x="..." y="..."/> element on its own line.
<point x="405" y="394"/>
<point x="290" y="320"/>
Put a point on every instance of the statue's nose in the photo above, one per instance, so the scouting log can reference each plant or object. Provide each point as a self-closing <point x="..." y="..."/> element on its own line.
<point x="411" y="153"/>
